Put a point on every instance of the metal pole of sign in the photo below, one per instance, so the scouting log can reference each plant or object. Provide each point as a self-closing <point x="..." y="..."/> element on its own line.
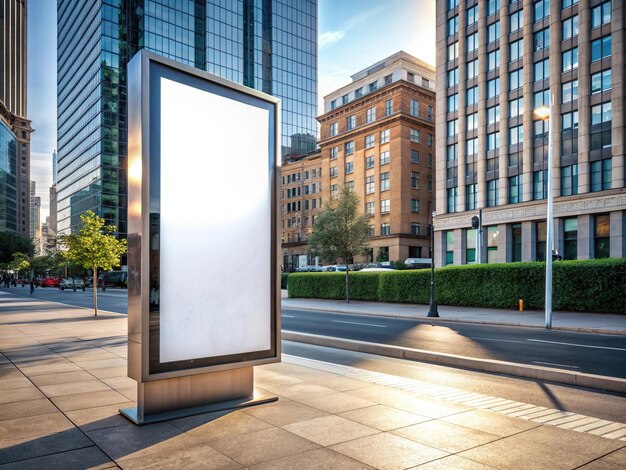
<point x="432" y="312"/>
<point x="480" y="236"/>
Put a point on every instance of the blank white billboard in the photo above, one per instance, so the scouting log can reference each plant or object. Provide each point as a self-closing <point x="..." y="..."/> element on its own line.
<point x="215" y="225"/>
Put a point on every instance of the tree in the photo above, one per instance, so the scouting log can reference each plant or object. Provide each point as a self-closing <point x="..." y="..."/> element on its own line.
<point x="11" y="242"/>
<point x="339" y="232"/>
<point x="94" y="247"/>
<point x="20" y="262"/>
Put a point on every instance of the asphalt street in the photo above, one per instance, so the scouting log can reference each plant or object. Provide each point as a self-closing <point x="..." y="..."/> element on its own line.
<point x="583" y="352"/>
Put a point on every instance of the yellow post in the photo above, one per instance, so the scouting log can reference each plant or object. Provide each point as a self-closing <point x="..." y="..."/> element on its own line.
<point x="521" y="305"/>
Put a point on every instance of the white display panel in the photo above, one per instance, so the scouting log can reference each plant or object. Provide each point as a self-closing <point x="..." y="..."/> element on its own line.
<point x="215" y="225"/>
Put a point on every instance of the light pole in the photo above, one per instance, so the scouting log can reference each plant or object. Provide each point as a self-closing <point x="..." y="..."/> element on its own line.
<point x="544" y="113"/>
<point x="432" y="312"/>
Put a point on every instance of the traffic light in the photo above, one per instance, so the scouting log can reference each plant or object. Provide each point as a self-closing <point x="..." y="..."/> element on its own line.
<point x="475" y="222"/>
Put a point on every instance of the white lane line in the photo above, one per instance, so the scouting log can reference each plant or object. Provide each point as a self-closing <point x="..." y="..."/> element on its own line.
<point x="287" y="316"/>
<point x="553" y="364"/>
<point x="499" y="340"/>
<point x="357" y="323"/>
<point x="577" y="345"/>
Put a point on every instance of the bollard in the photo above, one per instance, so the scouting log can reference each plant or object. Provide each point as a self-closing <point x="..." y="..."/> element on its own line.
<point x="521" y="305"/>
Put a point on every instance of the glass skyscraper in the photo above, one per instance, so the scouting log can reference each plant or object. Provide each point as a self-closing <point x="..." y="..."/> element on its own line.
<point x="270" y="45"/>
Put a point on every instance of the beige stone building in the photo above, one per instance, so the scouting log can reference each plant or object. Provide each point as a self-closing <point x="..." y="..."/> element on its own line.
<point x="378" y="136"/>
<point x="497" y="61"/>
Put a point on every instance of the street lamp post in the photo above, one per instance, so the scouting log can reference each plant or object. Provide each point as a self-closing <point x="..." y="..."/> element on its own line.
<point x="544" y="113"/>
<point x="432" y="312"/>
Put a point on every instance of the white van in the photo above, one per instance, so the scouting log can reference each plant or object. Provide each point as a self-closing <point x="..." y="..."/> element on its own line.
<point x="417" y="263"/>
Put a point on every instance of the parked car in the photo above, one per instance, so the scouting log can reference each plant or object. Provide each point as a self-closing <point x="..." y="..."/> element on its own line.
<point x="50" y="281"/>
<point x="334" y="268"/>
<point x="72" y="283"/>
<point x="417" y="263"/>
<point x="373" y="270"/>
<point x="113" y="279"/>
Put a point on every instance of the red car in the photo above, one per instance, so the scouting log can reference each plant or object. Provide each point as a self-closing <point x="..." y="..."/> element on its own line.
<point x="50" y="282"/>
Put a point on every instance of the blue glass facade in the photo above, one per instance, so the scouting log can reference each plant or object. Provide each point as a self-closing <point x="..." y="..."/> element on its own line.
<point x="270" y="45"/>
<point x="8" y="179"/>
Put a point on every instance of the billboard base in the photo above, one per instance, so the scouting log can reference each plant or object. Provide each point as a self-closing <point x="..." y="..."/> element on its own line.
<point x="163" y="400"/>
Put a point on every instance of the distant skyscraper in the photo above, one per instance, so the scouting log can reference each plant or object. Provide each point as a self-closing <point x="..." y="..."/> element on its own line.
<point x="15" y="133"/>
<point x="35" y="211"/>
<point x="270" y="45"/>
<point x="54" y="167"/>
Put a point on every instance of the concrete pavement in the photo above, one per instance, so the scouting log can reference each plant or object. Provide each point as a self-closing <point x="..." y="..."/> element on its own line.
<point x="63" y="378"/>
<point x="573" y="321"/>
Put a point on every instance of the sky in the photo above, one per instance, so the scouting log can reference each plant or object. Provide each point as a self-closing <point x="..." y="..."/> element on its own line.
<point x="353" y="34"/>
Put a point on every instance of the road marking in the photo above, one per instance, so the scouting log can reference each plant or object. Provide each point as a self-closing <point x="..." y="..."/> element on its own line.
<point x="357" y="323"/>
<point x="577" y="345"/>
<point x="287" y="316"/>
<point x="553" y="364"/>
<point x="518" y="410"/>
<point x="499" y="340"/>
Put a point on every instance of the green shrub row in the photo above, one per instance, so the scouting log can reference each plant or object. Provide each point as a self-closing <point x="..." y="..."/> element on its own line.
<point x="283" y="280"/>
<point x="584" y="285"/>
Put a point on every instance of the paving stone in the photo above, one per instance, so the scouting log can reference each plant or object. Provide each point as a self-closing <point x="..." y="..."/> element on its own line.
<point x="90" y="419"/>
<point x="81" y="401"/>
<point x="283" y="412"/>
<point x="61" y="378"/>
<point x="74" y="388"/>
<point x="33" y="426"/>
<point x="198" y="456"/>
<point x="329" y="430"/>
<point x="27" y="408"/>
<point x="107" y="372"/>
<point x="212" y="426"/>
<point x="21" y="394"/>
<point x="30" y="447"/>
<point x="338" y="402"/>
<point x="453" y="462"/>
<point x="383" y="417"/>
<point x="490" y="422"/>
<point x="65" y="366"/>
<point x="318" y="459"/>
<point x="613" y="461"/>
<point x="80" y="459"/>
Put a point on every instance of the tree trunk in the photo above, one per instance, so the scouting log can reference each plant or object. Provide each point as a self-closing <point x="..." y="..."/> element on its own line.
<point x="347" y="284"/>
<point x="95" y="291"/>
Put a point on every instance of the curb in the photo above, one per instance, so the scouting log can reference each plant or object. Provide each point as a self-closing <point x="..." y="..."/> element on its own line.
<point x="483" y="365"/>
<point x="455" y="320"/>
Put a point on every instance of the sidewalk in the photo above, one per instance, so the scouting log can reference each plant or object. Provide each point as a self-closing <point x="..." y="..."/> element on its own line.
<point x="576" y="321"/>
<point x="63" y="379"/>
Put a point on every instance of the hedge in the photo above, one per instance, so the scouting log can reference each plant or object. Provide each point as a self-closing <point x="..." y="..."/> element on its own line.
<point x="583" y="285"/>
<point x="283" y="280"/>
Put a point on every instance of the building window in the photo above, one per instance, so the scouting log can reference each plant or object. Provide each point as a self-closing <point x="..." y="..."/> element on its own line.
<point x="369" y="162"/>
<point x="470" y="246"/>
<point x="384" y="206"/>
<point x="388" y="79"/>
<point x="472" y="42"/>
<point x="541" y="9"/>
<point x="472" y="121"/>
<point x="415" y="180"/>
<point x="372" y="87"/>
<point x="333" y="171"/>
<point x="415" y="134"/>
<point x="449" y="247"/>
<point x="570" y="238"/>
<point x="452" y="152"/>
<point x="492" y="193"/>
<point x="601" y="120"/>
<point x="602" y="234"/>
<point x="516" y="21"/>
<point x="372" y="232"/>
<point x="415" y="205"/>
<point x="370" y="140"/>
<point x="493" y="32"/>
<point x="569" y="3"/>
<point x="453" y="52"/>
<point x="570" y="27"/>
<point x="540" y="244"/>
<point x="358" y="93"/>
<point x="516" y="242"/>
<point x="472" y="146"/>
<point x="541" y="98"/>
<point x="472" y="15"/>
<point x="384" y="158"/>
<point x="453" y="103"/>
<point x="493" y="88"/>
<point x="516" y="107"/>
<point x="601" y="81"/>
<point x="384" y="136"/>
<point x="472" y="95"/>
<point x="601" y="48"/>
<point x="516" y="78"/>
<point x="431" y="113"/>
<point x="385" y="229"/>
<point x="569" y="91"/>
<point x="472" y="69"/>
<point x="493" y="141"/>
<point x="471" y="197"/>
<point x="388" y="107"/>
<point x="415" y="228"/>
<point x="493" y="114"/>
<point x="516" y="135"/>
<point x="452" y="200"/>
<point x="369" y="185"/>
<point x="430" y="160"/>
<point x="334" y="152"/>
<point x="369" y="208"/>
<point x="333" y="104"/>
<point x="515" y="189"/>
<point x="601" y="175"/>
<point x="541" y="39"/>
<point x="570" y="60"/>
<point x="429" y="181"/>
<point x="453" y="25"/>
<point x="453" y="78"/>
<point x="569" y="180"/>
<point x="333" y="190"/>
<point x="542" y="70"/>
<point x="351" y="122"/>
<point x="345" y="99"/>
<point x="540" y="185"/>
<point x="370" y="115"/>
<point x="492" y="6"/>
<point x="493" y="60"/>
<point x="350" y="147"/>
<point x="493" y="234"/>
<point x="569" y="135"/>
<point x="601" y="14"/>
<point x="516" y="50"/>
<point x="333" y="129"/>
<point x="349" y="167"/>
<point x="415" y="156"/>
<point x="384" y="181"/>
<point x="414" y="108"/>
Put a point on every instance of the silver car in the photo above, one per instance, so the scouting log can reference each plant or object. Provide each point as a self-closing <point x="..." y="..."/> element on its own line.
<point x="72" y="283"/>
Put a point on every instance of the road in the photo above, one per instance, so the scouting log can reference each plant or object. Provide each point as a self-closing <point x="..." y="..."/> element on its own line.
<point x="582" y="352"/>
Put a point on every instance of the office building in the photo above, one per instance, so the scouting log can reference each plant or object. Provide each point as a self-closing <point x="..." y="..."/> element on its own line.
<point x="35" y="211"/>
<point x="13" y="109"/>
<point x="497" y="61"/>
<point x="270" y="45"/>
<point x="301" y="200"/>
<point x="377" y="136"/>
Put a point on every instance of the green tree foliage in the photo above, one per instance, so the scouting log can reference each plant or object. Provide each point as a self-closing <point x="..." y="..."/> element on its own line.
<point x="11" y="243"/>
<point x="20" y="262"/>
<point x="340" y="233"/>
<point x="94" y="247"/>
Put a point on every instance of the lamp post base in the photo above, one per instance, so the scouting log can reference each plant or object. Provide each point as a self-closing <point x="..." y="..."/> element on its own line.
<point x="432" y="312"/>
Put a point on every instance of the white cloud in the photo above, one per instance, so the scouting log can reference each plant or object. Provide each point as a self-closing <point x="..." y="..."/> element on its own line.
<point x="330" y="37"/>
